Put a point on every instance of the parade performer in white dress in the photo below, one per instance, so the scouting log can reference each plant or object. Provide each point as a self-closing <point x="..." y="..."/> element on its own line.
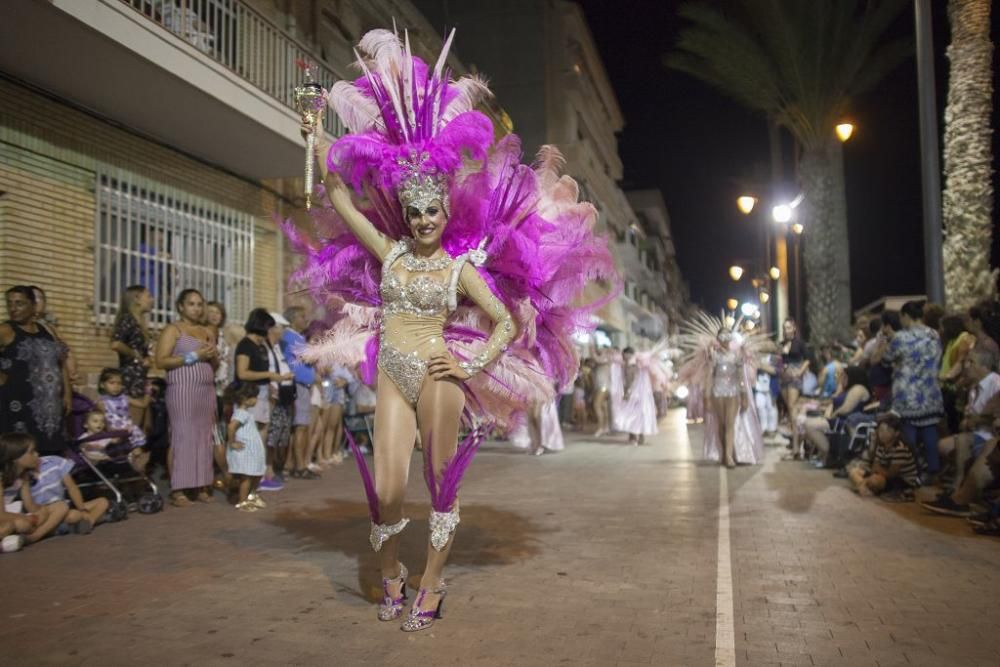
<point x="643" y="371"/>
<point x="458" y="271"/>
<point x="541" y="431"/>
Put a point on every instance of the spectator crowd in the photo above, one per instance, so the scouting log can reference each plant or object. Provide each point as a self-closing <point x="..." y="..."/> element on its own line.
<point x="218" y="409"/>
<point x="228" y="410"/>
<point x="912" y="402"/>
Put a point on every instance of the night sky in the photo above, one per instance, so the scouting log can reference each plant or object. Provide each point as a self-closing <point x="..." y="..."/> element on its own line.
<point x="698" y="146"/>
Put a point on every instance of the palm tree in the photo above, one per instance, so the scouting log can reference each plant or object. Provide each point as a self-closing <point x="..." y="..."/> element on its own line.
<point x="799" y="62"/>
<point x="968" y="190"/>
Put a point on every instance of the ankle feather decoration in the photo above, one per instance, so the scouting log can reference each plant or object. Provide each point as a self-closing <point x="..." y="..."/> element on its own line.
<point x="380" y="532"/>
<point x="444" y="496"/>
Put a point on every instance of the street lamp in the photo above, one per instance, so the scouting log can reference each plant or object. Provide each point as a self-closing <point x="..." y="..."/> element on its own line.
<point x="775" y="273"/>
<point x="746" y="203"/>
<point x="731" y="304"/>
<point x="844" y="131"/>
<point x="797" y="228"/>
<point x="782" y="213"/>
<point x="764" y="296"/>
<point x="735" y="272"/>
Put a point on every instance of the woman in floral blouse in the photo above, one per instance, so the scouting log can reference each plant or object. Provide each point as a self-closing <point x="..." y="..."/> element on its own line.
<point x="915" y="355"/>
<point x="130" y="339"/>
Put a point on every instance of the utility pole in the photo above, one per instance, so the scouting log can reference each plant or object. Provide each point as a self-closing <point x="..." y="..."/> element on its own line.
<point x="929" y="151"/>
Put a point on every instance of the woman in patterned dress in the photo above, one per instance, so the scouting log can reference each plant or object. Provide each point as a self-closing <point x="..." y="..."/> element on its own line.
<point x="35" y="391"/>
<point x="130" y="339"/>
<point x="188" y="353"/>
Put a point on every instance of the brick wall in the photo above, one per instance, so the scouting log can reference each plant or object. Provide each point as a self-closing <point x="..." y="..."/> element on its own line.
<point x="49" y="154"/>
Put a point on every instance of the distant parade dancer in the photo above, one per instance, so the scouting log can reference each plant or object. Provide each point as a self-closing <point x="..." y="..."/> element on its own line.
<point x="720" y="363"/>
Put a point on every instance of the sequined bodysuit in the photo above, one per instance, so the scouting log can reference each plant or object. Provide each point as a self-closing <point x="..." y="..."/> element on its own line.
<point x="727" y="372"/>
<point x="414" y="311"/>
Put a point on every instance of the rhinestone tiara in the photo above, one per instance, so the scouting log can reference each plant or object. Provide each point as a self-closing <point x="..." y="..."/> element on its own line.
<point x="422" y="185"/>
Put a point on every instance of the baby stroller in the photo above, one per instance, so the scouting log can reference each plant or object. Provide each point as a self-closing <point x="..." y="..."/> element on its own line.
<point x="108" y="477"/>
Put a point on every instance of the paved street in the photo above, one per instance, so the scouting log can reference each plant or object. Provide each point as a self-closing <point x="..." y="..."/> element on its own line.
<point x="603" y="555"/>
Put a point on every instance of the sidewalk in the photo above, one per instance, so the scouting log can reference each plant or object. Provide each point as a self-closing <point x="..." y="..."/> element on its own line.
<point x="605" y="554"/>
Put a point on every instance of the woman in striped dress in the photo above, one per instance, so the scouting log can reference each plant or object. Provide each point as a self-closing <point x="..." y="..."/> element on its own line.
<point x="187" y="352"/>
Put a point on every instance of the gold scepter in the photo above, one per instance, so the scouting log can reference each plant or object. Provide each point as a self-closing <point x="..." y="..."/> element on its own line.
<point x="310" y="100"/>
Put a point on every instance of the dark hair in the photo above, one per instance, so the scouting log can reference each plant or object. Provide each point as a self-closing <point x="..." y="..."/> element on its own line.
<point x="628" y="350"/>
<point x="891" y="319"/>
<point x="977" y="313"/>
<point x="107" y="374"/>
<point x="856" y="375"/>
<point x="125" y="307"/>
<point x="184" y="295"/>
<point x="36" y="288"/>
<point x="891" y="419"/>
<point x="913" y="309"/>
<point x="23" y="290"/>
<point x="12" y="447"/>
<point x="259" y="321"/>
<point x="874" y="325"/>
<point x="952" y="326"/>
<point x="933" y="312"/>
<point x="222" y="309"/>
<point x="238" y="391"/>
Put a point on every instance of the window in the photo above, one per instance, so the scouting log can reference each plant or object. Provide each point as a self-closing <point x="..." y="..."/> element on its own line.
<point x="149" y="234"/>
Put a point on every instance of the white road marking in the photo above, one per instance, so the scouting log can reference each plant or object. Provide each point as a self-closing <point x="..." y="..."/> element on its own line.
<point x="725" y="640"/>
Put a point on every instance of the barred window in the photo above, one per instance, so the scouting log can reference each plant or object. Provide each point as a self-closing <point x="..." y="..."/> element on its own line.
<point x="167" y="240"/>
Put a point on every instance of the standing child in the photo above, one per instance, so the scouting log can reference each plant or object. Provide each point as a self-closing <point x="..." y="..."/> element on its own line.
<point x="115" y="405"/>
<point x="245" y="449"/>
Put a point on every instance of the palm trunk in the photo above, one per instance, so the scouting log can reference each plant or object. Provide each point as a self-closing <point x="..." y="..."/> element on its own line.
<point x="968" y="193"/>
<point x="826" y="255"/>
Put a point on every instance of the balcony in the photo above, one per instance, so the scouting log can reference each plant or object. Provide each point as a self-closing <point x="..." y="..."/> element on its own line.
<point x="212" y="78"/>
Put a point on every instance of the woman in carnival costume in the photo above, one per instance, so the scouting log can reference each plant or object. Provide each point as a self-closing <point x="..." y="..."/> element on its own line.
<point x="720" y="364"/>
<point x="456" y="271"/>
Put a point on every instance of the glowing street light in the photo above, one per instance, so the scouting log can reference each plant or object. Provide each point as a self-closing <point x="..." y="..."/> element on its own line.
<point x="764" y="296"/>
<point x="782" y="213"/>
<point x="775" y="273"/>
<point x="746" y="203"/>
<point x="844" y="131"/>
<point x="748" y="309"/>
<point x="797" y="228"/>
<point x="731" y="304"/>
<point x="736" y="272"/>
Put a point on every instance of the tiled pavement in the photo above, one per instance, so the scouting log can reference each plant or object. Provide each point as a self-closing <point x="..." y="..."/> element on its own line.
<point x="602" y="555"/>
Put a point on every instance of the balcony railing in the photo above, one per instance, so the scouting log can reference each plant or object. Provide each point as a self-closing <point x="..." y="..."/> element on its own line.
<point x="238" y="37"/>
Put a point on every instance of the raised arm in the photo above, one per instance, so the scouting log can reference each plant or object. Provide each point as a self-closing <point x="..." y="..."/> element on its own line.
<point x="472" y="285"/>
<point x="340" y="197"/>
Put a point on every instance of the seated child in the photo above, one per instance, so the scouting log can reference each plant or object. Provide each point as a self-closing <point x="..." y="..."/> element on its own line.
<point x="889" y="463"/>
<point x="17" y="458"/>
<point x="94" y="445"/>
<point x="115" y="404"/>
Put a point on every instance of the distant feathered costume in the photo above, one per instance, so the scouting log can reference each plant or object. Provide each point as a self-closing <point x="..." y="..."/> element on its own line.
<point x="700" y="341"/>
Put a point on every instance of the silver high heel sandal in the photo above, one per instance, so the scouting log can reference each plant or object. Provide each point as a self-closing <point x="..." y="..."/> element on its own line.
<point x="421" y="619"/>
<point x="392" y="608"/>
